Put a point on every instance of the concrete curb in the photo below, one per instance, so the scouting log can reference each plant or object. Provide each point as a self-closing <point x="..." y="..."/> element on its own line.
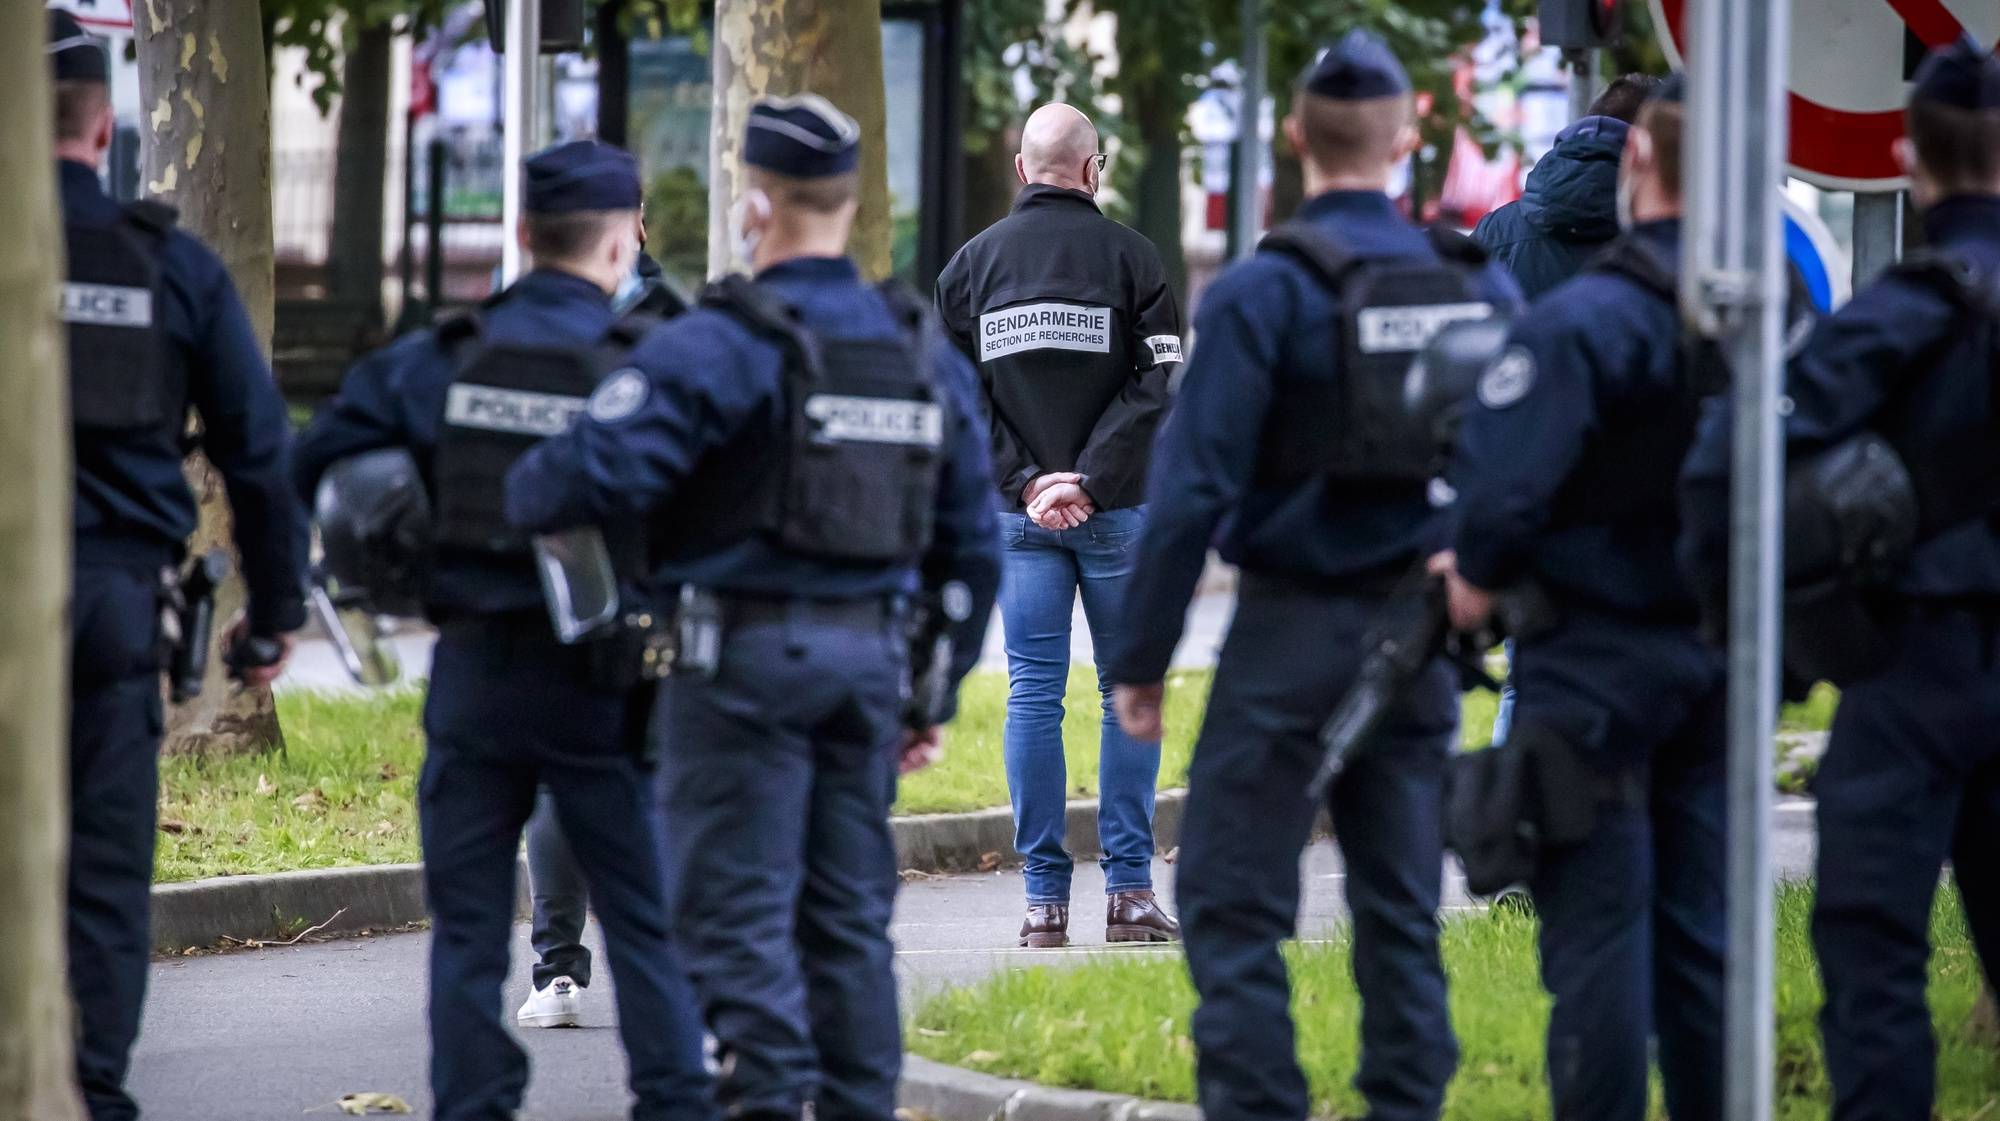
<point x="932" y="1091"/>
<point x="279" y="905"/>
<point x="971" y="842"/>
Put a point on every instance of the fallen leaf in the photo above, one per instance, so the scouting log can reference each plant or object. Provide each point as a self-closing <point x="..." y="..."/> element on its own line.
<point x="354" y="1105"/>
<point x="176" y="825"/>
<point x="309" y="799"/>
<point x="388" y="773"/>
<point x="989" y="862"/>
<point x="979" y="1058"/>
<point x="385" y="828"/>
<point x="264" y="786"/>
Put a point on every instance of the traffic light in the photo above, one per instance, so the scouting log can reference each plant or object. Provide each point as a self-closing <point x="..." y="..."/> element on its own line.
<point x="1580" y="25"/>
<point x="562" y="25"/>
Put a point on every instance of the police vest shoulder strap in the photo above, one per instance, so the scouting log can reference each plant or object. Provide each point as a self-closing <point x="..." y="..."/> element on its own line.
<point x="1456" y="248"/>
<point x="1639" y="262"/>
<point x="911" y="311"/>
<point x="765" y="314"/>
<point x="626" y="331"/>
<point x="1314" y="247"/>
<point x="1957" y="276"/>
<point x="151" y="217"/>
<point x="458" y="328"/>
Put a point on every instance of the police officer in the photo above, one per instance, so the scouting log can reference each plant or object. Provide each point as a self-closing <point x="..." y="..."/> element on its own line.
<point x="1075" y="332"/>
<point x="805" y="451"/>
<point x="155" y="327"/>
<point x="1323" y="520"/>
<point x="509" y="707"/>
<point x="1911" y="776"/>
<point x="1566" y="469"/>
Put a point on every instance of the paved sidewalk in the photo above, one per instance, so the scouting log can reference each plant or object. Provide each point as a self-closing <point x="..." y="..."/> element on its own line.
<point x="272" y="1034"/>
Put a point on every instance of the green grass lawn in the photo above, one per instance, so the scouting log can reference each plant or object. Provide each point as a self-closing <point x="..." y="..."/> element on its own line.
<point x="1122" y="1024"/>
<point x="344" y="790"/>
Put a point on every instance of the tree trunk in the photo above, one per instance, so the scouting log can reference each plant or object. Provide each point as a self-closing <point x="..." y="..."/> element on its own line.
<point x="990" y="182"/>
<point x="205" y="96"/>
<point x="354" y="259"/>
<point x="775" y="47"/>
<point x="37" y="1071"/>
<point x="1157" y="194"/>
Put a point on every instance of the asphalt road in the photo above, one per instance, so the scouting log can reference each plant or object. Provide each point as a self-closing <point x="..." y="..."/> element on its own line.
<point x="277" y="1033"/>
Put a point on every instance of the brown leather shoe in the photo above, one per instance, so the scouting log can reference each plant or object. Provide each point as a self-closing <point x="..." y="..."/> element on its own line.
<point x="1046" y="927"/>
<point x="1134" y="916"/>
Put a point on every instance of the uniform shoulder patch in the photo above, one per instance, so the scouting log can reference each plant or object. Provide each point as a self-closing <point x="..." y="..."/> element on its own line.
<point x="618" y="396"/>
<point x="1508" y="378"/>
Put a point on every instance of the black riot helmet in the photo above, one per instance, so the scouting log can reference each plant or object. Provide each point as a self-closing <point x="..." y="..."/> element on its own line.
<point x="1850" y="513"/>
<point x="375" y="530"/>
<point x="1446" y="374"/>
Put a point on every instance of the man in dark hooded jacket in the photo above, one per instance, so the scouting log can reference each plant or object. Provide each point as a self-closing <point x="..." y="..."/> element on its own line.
<point x="1569" y="208"/>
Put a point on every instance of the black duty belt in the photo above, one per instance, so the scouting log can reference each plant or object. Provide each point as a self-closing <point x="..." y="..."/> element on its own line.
<point x="861" y="614"/>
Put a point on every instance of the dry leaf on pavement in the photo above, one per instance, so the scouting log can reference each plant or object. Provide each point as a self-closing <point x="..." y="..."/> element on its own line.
<point x="355" y="1105"/>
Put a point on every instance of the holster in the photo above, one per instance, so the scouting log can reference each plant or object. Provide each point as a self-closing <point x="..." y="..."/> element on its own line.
<point x="636" y="651"/>
<point x="1507" y="805"/>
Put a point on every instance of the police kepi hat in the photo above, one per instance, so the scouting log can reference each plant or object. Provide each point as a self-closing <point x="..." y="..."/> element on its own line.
<point x="1964" y="75"/>
<point x="1360" y="67"/>
<point x="581" y="175"/>
<point x="75" y="55"/>
<point x="801" y="137"/>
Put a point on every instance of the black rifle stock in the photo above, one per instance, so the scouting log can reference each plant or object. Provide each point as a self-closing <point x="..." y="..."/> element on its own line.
<point x="1415" y="628"/>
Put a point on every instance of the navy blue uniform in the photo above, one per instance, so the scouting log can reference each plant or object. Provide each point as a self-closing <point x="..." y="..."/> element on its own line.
<point x="1911" y="776"/>
<point x="509" y="708"/>
<point x="778" y="769"/>
<point x="1567" y="471"/>
<point x="134" y="515"/>
<point x="1317" y="559"/>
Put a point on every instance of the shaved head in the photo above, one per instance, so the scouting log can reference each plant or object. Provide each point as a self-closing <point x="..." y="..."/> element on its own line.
<point x="1058" y="145"/>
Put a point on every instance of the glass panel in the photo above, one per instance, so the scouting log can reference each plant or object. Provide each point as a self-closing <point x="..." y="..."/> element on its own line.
<point x="671" y="95"/>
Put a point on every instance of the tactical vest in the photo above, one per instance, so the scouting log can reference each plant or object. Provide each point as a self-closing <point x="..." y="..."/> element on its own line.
<point x="122" y="376"/>
<point x="862" y="437"/>
<point x="1954" y="466"/>
<point x="1357" y="426"/>
<point x="504" y="398"/>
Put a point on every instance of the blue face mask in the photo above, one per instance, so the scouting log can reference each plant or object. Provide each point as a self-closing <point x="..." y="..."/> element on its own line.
<point x="629" y="291"/>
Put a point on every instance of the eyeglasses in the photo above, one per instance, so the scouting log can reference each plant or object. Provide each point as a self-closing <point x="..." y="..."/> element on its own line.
<point x="1099" y="160"/>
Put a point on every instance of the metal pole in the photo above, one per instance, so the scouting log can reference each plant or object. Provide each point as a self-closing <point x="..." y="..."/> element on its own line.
<point x="1732" y="287"/>
<point x="1246" y="163"/>
<point x="518" y="97"/>
<point x="1878" y="233"/>
<point x="434" y="227"/>
<point x="1582" y="82"/>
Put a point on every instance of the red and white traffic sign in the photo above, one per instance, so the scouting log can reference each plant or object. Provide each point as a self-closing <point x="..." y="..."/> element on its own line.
<point x="1848" y="86"/>
<point x="100" y="15"/>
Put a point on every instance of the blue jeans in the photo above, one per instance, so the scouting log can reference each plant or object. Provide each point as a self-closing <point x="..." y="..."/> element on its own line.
<point x="1503" y="716"/>
<point x="1044" y="569"/>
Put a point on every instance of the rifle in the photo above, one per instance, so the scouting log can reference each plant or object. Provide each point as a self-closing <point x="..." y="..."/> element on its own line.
<point x="191" y="601"/>
<point x="932" y="650"/>
<point x="1415" y="628"/>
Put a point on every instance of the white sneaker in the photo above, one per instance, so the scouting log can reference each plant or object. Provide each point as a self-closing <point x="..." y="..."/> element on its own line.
<point x="560" y="1005"/>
